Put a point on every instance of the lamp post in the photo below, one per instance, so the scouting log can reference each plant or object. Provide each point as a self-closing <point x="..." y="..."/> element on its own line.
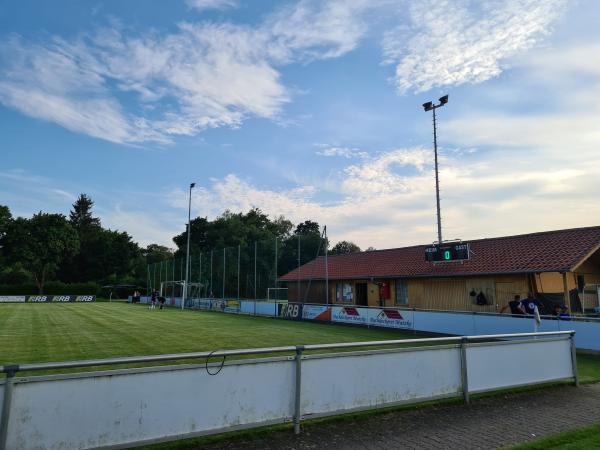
<point x="187" y="253"/>
<point x="429" y="106"/>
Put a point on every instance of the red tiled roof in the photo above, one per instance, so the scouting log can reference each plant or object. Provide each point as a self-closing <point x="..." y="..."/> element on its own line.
<point x="550" y="251"/>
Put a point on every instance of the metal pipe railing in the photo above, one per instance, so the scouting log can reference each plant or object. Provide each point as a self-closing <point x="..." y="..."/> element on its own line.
<point x="462" y="341"/>
<point x="6" y="368"/>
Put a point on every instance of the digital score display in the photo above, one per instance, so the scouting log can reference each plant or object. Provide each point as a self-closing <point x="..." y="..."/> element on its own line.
<point x="447" y="252"/>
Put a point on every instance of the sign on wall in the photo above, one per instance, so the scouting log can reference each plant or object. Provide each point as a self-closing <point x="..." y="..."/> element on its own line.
<point x="12" y="298"/>
<point x="46" y="298"/>
<point x="291" y="311"/>
<point x="349" y="314"/>
<point x="379" y="317"/>
<point x="316" y="312"/>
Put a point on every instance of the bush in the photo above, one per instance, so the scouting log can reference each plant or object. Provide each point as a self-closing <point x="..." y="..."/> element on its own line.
<point x="51" y="288"/>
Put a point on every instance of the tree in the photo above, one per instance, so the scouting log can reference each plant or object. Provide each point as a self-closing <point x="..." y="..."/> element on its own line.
<point x="154" y="253"/>
<point x="80" y="216"/>
<point x="344" y="247"/>
<point x="41" y="244"/>
<point x="5" y="221"/>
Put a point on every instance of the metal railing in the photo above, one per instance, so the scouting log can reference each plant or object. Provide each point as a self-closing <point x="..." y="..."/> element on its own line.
<point x="298" y="351"/>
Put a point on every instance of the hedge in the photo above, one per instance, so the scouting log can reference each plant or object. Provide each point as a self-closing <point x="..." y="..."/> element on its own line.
<point x="51" y="288"/>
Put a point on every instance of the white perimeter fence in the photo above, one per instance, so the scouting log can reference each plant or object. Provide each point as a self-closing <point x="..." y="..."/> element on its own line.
<point x="128" y="407"/>
<point x="460" y="323"/>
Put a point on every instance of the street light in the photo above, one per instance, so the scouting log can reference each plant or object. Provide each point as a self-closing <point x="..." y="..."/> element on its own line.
<point x="187" y="253"/>
<point x="429" y="106"/>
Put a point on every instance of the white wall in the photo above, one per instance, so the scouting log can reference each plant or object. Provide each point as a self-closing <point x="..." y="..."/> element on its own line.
<point x="110" y="408"/>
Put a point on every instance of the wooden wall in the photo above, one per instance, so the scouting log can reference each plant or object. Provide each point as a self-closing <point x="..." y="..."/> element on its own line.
<point x="453" y="293"/>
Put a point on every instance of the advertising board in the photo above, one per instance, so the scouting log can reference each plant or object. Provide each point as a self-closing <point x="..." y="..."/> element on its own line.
<point x="232" y="306"/>
<point x="316" y="312"/>
<point x="291" y="311"/>
<point x="349" y="314"/>
<point x="12" y="298"/>
<point x="46" y="298"/>
<point x="391" y="318"/>
<point x="378" y="317"/>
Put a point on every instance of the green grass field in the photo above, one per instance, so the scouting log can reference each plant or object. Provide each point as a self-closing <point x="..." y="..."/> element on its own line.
<point x="59" y="332"/>
<point x="62" y="332"/>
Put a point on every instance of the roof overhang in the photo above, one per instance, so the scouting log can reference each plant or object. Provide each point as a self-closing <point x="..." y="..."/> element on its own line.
<point x="436" y="275"/>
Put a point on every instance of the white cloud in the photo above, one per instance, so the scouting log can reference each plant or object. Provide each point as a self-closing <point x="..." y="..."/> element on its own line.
<point x="204" y="75"/>
<point x="344" y="152"/>
<point x="315" y="29"/>
<point x="211" y="4"/>
<point x="464" y="41"/>
<point x="146" y="228"/>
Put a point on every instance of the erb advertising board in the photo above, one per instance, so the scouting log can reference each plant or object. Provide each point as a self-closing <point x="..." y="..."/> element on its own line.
<point x="291" y="311"/>
<point x="46" y="298"/>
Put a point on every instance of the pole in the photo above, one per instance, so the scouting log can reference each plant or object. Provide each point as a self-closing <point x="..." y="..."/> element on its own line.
<point x="160" y="277"/>
<point x="154" y="277"/>
<point x="437" y="180"/>
<point x="148" y="282"/>
<point x="238" y="277"/>
<point x="298" y="389"/>
<point x="11" y="371"/>
<point x="211" y="273"/>
<point x="200" y="273"/>
<point x="298" y="271"/>
<point x="187" y="252"/>
<point x="326" y="268"/>
<point x="255" y="253"/>
<point x="223" y="273"/>
<point x="173" y="288"/>
<point x="276" y="273"/>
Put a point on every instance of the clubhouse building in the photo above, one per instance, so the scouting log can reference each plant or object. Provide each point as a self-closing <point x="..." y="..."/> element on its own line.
<point x="559" y="267"/>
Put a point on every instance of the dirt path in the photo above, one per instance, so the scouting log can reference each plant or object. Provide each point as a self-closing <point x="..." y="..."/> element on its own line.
<point x="491" y="422"/>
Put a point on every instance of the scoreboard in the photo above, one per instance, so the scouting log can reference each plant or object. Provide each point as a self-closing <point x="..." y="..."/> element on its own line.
<point x="458" y="251"/>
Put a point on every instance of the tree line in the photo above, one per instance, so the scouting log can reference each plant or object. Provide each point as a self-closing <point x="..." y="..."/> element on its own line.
<point x="49" y="247"/>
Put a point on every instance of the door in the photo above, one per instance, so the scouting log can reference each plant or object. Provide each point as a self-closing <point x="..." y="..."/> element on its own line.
<point x="361" y="294"/>
<point x="505" y="292"/>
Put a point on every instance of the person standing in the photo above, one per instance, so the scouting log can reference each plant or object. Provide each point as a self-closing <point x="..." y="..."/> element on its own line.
<point x="153" y="298"/>
<point x="531" y="303"/>
<point x="515" y="306"/>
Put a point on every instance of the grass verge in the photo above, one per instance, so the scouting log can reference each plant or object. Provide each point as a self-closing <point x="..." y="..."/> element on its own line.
<point x="584" y="438"/>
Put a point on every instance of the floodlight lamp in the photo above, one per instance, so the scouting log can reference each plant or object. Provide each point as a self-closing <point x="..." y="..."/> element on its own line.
<point x="193" y="185"/>
<point x="444" y="99"/>
<point x="428" y="106"/>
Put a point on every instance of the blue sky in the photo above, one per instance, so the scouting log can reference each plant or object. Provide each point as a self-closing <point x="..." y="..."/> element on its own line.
<point x="310" y="109"/>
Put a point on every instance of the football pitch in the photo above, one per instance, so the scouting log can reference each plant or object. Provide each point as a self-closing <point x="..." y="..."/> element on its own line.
<point x="65" y="332"/>
<point x="61" y="332"/>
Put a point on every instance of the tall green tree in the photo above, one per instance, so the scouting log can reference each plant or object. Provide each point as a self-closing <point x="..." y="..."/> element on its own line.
<point x="41" y="244"/>
<point x="80" y="216"/>
<point x="105" y="256"/>
<point x="344" y="247"/>
<point x="304" y="245"/>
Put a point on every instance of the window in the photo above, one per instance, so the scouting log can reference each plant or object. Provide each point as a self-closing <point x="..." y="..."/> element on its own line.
<point x="344" y="292"/>
<point x="401" y="292"/>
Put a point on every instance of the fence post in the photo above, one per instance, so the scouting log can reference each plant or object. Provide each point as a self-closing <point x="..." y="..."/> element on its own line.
<point x="297" y="400"/>
<point x="11" y="371"/>
<point x="463" y="369"/>
<point x="574" y="359"/>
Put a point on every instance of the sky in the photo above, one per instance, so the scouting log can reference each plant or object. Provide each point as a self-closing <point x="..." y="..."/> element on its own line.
<point x="308" y="109"/>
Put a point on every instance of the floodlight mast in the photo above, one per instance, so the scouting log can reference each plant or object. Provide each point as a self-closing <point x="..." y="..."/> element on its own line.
<point x="187" y="253"/>
<point x="429" y="106"/>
